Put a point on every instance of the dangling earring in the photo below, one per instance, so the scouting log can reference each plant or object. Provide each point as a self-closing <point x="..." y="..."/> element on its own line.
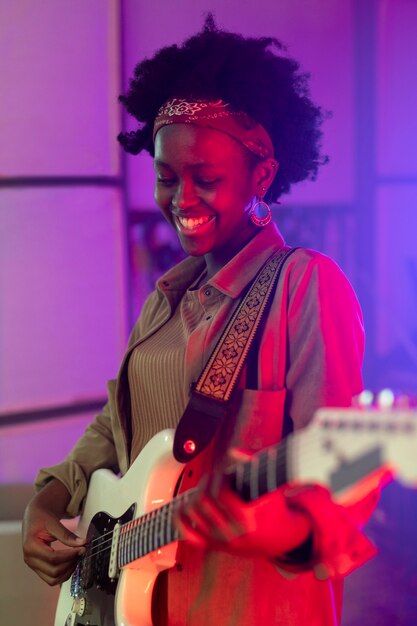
<point x="260" y="213"/>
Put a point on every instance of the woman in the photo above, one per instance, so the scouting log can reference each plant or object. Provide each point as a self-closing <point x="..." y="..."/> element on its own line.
<point x="230" y="124"/>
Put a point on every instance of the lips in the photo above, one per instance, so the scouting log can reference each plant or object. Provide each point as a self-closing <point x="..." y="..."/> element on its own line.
<point x="190" y="223"/>
<point x="193" y="225"/>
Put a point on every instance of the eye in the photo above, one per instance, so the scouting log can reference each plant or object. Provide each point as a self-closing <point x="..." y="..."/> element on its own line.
<point x="165" y="182"/>
<point x="206" y="182"/>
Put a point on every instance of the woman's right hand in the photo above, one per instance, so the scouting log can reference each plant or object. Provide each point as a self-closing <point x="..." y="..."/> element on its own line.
<point x="41" y="527"/>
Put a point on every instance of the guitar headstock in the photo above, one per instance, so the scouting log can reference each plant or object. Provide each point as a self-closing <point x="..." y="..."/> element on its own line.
<point x="381" y="427"/>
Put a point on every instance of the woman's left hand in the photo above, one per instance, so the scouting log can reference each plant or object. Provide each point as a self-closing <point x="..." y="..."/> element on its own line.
<point x="215" y="517"/>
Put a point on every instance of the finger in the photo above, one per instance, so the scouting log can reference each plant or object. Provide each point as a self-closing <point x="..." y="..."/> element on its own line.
<point x="227" y="520"/>
<point x="190" y="533"/>
<point x="44" y="551"/>
<point x="212" y="522"/>
<point x="61" y="533"/>
<point x="52" y="572"/>
<point x="55" y="579"/>
<point x="229" y="510"/>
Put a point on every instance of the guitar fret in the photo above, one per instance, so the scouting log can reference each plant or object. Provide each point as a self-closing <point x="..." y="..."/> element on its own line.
<point x="136" y="539"/>
<point x="239" y="477"/>
<point x="169" y="525"/>
<point x="246" y="487"/>
<point x="141" y="538"/>
<point x="125" y="545"/>
<point x="175" y="533"/>
<point x="131" y="541"/>
<point x="281" y="463"/>
<point x="127" y="542"/>
<point x="146" y="535"/>
<point x="262" y="473"/>
<point x="271" y="472"/>
<point x="120" y="548"/>
<point x="254" y="478"/>
<point x="155" y="531"/>
<point x="151" y="532"/>
<point x="161" y="526"/>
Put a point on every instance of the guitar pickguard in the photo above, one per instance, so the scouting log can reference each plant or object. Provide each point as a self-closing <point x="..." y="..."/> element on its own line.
<point x="91" y="588"/>
<point x="90" y="597"/>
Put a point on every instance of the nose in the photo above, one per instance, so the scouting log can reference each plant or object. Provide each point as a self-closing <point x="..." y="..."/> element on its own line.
<point x="184" y="196"/>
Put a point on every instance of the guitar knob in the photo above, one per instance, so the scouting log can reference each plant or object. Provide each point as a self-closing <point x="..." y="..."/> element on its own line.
<point x="70" y="621"/>
<point x="80" y="607"/>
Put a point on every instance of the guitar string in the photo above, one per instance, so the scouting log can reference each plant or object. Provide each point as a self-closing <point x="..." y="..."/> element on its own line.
<point x="164" y="512"/>
<point x="281" y="451"/>
<point x="264" y="459"/>
<point x="139" y="523"/>
<point x="167" y="508"/>
<point x="304" y="440"/>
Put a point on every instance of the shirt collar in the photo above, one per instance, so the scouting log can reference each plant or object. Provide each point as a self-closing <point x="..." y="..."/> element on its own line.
<point x="235" y="275"/>
<point x="233" y="278"/>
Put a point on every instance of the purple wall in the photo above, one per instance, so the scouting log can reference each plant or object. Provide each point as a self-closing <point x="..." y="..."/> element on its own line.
<point x="63" y="281"/>
<point x="63" y="245"/>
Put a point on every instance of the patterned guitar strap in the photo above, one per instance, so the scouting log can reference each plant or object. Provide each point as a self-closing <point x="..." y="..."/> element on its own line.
<point x="210" y="395"/>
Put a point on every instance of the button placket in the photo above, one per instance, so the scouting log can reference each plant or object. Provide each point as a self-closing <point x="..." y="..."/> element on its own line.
<point x="210" y="300"/>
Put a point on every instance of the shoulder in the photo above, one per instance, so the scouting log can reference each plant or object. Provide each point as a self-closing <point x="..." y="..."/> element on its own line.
<point x="306" y="259"/>
<point x="314" y="281"/>
<point x="315" y="268"/>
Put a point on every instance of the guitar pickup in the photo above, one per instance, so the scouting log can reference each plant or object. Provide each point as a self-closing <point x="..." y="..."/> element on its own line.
<point x="113" y="566"/>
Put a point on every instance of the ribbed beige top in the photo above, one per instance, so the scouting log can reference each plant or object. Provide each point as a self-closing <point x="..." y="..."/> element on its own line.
<point x="156" y="373"/>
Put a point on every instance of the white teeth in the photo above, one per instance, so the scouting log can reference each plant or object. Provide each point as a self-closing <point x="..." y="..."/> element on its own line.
<point x="192" y="222"/>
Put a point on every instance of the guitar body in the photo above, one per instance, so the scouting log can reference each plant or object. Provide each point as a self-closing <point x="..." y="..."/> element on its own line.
<point x="130" y="522"/>
<point x="149" y="483"/>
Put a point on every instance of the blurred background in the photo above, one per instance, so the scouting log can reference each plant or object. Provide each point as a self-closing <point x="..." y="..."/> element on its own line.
<point x="81" y="241"/>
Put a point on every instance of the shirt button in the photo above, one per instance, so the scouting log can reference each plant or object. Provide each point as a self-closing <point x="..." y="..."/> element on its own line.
<point x="207" y="292"/>
<point x="208" y="317"/>
<point x="165" y="283"/>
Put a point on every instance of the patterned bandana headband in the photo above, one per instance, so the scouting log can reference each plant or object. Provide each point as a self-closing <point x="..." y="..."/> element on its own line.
<point x="217" y="115"/>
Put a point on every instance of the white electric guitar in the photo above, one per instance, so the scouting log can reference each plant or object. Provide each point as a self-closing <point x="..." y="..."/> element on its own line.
<point x="129" y="521"/>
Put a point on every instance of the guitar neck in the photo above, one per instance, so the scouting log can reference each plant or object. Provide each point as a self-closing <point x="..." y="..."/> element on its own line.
<point x="250" y="479"/>
<point x="261" y="474"/>
<point x="338" y="449"/>
<point x="149" y="532"/>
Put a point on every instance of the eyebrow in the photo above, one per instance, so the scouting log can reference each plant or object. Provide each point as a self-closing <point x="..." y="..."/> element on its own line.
<point x="160" y="163"/>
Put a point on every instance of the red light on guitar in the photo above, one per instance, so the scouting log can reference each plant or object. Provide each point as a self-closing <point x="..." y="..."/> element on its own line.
<point x="189" y="446"/>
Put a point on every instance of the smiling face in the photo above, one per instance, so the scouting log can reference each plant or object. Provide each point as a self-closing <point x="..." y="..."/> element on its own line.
<point x="204" y="188"/>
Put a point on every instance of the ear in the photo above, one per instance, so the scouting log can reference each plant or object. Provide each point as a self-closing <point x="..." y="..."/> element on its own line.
<point x="264" y="174"/>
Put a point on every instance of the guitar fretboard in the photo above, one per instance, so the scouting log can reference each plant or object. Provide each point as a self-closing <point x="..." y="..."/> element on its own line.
<point x="250" y="479"/>
<point x="148" y="532"/>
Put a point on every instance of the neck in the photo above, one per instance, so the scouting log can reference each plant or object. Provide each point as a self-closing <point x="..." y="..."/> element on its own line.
<point x="216" y="259"/>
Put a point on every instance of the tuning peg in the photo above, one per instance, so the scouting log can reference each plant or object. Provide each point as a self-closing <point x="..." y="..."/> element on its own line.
<point x="385" y="399"/>
<point x="404" y="401"/>
<point x="364" y="399"/>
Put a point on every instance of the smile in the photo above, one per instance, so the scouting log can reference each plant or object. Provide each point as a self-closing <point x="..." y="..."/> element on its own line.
<point x="193" y="223"/>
